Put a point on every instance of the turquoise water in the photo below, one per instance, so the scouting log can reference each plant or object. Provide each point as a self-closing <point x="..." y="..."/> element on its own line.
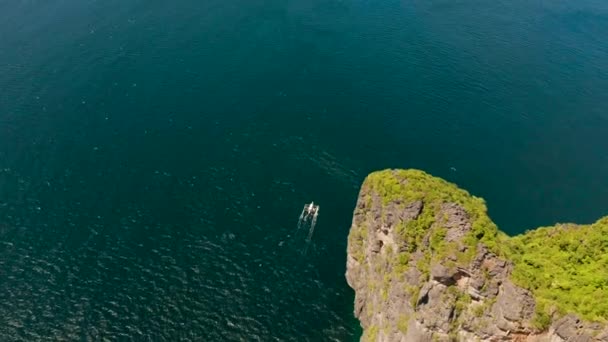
<point x="155" y="156"/>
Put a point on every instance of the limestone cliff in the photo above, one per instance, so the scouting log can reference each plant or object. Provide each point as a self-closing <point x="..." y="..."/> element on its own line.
<point x="427" y="264"/>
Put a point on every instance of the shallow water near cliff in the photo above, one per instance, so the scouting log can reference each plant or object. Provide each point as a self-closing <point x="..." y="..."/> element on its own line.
<point x="155" y="156"/>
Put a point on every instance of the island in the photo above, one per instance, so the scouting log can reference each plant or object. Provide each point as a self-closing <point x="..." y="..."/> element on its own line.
<point x="428" y="264"/>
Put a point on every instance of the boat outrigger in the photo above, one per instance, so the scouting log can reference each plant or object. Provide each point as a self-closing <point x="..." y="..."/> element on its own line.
<point x="309" y="214"/>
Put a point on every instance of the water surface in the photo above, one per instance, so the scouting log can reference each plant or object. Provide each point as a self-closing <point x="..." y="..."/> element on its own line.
<point x="155" y="156"/>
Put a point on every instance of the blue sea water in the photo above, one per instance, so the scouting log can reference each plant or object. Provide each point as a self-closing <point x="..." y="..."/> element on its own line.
<point x="155" y="156"/>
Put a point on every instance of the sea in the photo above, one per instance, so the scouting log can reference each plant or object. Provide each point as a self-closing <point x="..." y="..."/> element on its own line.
<point x="155" y="156"/>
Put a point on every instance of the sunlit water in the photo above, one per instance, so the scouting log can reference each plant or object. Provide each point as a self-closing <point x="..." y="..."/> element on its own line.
<point x="155" y="155"/>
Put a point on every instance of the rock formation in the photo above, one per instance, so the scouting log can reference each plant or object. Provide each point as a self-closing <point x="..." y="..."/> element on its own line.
<point x="427" y="264"/>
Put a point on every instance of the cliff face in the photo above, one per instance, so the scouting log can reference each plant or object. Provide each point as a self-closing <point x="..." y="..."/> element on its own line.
<point x="427" y="264"/>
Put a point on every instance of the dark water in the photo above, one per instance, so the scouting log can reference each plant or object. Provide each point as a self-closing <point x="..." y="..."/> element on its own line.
<point x="155" y="155"/>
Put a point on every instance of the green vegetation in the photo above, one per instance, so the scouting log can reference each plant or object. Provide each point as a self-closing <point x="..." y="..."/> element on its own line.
<point x="386" y="284"/>
<point x="371" y="334"/>
<point x="565" y="267"/>
<point x="542" y="320"/>
<point x="409" y="186"/>
<point x="403" y="323"/>
<point x="356" y="238"/>
<point x="414" y="293"/>
<point x="462" y="300"/>
<point x="402" y="262"/>
<point x="438" y="239"/>
<point x="478" y="310"/>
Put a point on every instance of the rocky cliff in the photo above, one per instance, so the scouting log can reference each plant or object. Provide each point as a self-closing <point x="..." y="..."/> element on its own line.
<point x="428" y="264"/>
